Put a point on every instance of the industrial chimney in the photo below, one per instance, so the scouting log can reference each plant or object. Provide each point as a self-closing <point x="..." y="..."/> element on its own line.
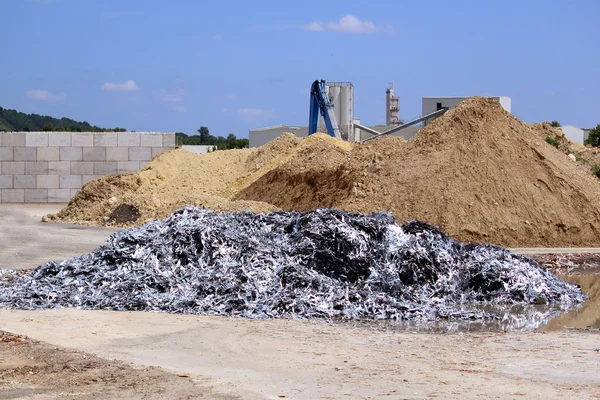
<point x="392" y="107"/>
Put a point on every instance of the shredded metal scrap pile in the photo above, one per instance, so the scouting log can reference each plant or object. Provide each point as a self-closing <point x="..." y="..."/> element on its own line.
<point x="324" y="263"/>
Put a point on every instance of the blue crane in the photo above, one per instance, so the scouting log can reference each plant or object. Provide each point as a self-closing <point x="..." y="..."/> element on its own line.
<point x="320" y="105"/>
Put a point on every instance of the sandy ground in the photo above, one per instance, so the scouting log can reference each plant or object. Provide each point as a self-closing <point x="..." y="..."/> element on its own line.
<point x="26" y="242"/>
<point x="35" y="370"/>
<point x="312" y="360"/>
<point x="235" y="358"/>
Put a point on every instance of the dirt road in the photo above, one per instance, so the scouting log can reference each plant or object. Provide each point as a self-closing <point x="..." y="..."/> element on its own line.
<point x="26" y="242"/>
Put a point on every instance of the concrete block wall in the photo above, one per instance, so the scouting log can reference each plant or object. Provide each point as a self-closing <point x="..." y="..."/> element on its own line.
<point x="49" y="167"/>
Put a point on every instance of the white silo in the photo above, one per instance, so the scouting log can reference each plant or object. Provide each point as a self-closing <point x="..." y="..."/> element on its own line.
<point x="341" y="95"/>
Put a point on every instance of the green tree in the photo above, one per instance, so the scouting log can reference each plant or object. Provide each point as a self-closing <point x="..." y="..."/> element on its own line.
<point x="594" y="137"/>
<point x="220" y="142"/>
<point x="12" y="120"/>
<point x="47" y="128"/>
<point x="555" y="124"/>
<point x="243" y="143"/>
<point x="204" y="135"/>
<point x="231" y="141"/>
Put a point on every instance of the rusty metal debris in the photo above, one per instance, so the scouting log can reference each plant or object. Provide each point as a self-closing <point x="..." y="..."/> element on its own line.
<point x="323" y="263"/>
<point x="9" y="274"/>
<point x="7" y="337"/>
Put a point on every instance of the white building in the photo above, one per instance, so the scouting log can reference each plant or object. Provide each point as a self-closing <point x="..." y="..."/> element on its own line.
<point x="575" y="134"/>
<point x="199" y="149"/>
<point x="432" y="104"/>
<point x="260" y="136"/>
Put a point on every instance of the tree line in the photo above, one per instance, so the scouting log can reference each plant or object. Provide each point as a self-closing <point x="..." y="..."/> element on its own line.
<point x="12" y="120"/>
<point x="205" y="138"/>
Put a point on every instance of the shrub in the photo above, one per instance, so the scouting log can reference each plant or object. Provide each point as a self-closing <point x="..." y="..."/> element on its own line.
<point x="581" y="160"/>
<point x="596" y="170"/>
<point x="594" y="137"/>
<point x="552" y="141"/>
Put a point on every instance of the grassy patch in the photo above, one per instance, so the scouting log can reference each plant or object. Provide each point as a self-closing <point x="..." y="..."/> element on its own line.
<point x="596" y="170"/>
<point x="552" y="141"/>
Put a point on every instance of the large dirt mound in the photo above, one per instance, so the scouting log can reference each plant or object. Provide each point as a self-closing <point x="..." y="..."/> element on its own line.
<point x="177" y="178"/>
<point x="478" y="172"/>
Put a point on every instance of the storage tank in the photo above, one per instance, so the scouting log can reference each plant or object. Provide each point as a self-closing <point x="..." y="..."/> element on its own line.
<point x="341" y="95"/>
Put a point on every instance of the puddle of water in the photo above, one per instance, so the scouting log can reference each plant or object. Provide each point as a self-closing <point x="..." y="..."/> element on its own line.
<point x="513" y="319"/>
<point x="588" y="315"/>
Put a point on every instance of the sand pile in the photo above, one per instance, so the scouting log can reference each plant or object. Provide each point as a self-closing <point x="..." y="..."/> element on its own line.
<point x="171" y="179"/>
<point x="478" y="172"/>
<point x="178" y="177"/>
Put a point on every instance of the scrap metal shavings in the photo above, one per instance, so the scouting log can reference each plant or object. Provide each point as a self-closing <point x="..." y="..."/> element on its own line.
<point x="324" y="263"/>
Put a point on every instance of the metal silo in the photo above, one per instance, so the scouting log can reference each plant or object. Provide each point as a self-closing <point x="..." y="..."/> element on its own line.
<point x="341" y="94"/>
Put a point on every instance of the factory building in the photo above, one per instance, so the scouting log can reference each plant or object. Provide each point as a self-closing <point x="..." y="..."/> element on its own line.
<point x="260" y="136"/>
<point x="575" y="134"/>
<point x="341" y="95"/>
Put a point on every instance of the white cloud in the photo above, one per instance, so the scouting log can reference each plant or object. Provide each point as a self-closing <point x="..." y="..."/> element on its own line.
<point x="180" y="109"/>
<point x="347" y="24"/>
<point x="549" y="93"/>
<point x="44" y="95"/>
<point x="256" y="113"/>
<point x="304" y="91"/>
<point x="172" y="97"/>
<point x="216" y="36"/>
<point x="315" y="26"/>
<point x="127" y="86"/>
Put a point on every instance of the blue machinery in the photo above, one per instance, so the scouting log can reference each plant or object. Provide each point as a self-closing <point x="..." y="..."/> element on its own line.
<point x="320" y="105"/>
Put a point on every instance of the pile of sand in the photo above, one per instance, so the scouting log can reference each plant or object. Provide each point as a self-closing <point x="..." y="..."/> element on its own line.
<point x="478" y="172"/>
<point x="170" y="180"/>
<point x="178" y="177"/>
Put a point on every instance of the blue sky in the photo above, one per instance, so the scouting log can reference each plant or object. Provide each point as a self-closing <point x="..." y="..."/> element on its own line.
<point x="237" y="65"/>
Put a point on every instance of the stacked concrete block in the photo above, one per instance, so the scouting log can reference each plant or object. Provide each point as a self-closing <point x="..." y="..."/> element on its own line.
<point x="40" y="167"/>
